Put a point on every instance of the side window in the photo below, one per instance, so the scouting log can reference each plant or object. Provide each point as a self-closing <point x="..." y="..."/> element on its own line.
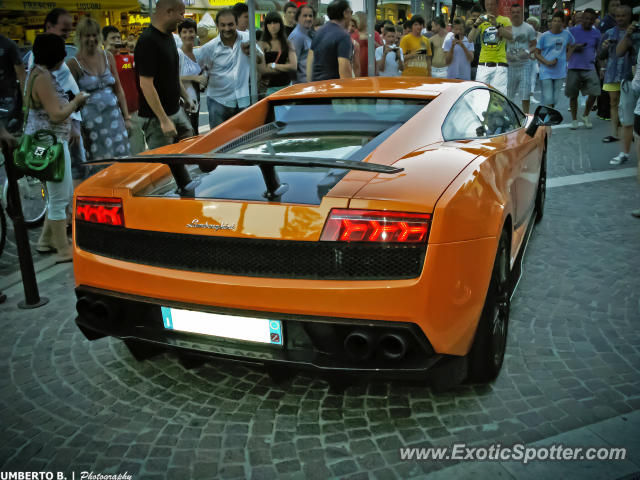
<point x="500" y="117"/>
<point x="466" y="118"/>
<point x="521" y="117"/>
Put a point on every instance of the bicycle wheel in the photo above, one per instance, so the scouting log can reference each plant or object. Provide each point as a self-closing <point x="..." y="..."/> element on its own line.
<point x="33" y="196"/>
<point x="3" y="229"/>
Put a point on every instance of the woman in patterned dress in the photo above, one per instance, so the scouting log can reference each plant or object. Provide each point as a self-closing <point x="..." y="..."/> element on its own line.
<point x="105" y="119"/>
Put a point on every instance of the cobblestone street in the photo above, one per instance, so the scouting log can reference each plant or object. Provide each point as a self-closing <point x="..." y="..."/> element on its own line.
<point x="573" y="360"/>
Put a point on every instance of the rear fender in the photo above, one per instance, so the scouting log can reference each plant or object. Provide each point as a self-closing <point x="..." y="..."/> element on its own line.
<point x="475" y="205"/>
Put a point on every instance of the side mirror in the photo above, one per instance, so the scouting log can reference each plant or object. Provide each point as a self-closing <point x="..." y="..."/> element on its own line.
<point x="543" y="115"/>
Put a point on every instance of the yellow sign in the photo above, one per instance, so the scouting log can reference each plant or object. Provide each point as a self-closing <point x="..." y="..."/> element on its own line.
<point x="222" y="3"/>
<point x="35" y="19"/>
<point x="69" y="5"/>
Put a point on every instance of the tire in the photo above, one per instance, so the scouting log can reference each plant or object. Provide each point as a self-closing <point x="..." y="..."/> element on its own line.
<point x="33" y="197"/>
<point x="541" y="193"/>
<point x="489" y="345"/>
<point x="3" y="229"/>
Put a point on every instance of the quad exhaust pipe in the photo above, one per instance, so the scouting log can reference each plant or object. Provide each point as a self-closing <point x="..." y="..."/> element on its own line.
<point x="360" y="345"/>
<point x="393" y="346"/>
<point x="96" y="312"/>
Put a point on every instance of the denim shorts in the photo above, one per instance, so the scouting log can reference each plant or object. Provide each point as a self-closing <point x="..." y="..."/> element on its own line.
<point x="628" y="100"/>
<point x="551" y="90"/>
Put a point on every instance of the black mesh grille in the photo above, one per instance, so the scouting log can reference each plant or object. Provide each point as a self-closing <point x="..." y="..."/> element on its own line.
<point x="252" y="257"/>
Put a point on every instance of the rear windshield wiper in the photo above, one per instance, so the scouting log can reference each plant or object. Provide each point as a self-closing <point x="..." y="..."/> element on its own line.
<point x="208" y="161"/>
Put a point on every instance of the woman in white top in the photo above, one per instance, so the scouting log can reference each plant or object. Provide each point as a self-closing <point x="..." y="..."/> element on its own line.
<point x="190" y="72"/>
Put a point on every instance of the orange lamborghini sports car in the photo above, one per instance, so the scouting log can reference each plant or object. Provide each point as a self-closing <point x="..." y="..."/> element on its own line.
<point x="371" y="225"/>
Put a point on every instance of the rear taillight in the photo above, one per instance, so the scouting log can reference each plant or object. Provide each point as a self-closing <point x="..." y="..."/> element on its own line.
<point x="103" y="210"/>
<point x="376" y="226"/>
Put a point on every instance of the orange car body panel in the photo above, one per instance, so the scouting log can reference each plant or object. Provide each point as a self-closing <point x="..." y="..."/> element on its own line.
<point x="469" y="187"/>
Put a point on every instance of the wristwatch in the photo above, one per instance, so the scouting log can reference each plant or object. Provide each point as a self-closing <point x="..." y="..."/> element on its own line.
<point x="273" y="65"/>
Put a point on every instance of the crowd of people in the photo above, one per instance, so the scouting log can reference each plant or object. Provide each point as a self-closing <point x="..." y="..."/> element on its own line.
<point x="116" y="98"/>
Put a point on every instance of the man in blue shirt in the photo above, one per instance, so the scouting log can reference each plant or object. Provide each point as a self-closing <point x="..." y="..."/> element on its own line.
<point x="300" y="38"/>
<point x="331" y="48"/>
<point x="551" y="52"/>
<point x="582" y="74"/>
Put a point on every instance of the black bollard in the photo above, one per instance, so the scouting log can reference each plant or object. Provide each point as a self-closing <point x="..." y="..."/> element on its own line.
<point x="32" y="298"/>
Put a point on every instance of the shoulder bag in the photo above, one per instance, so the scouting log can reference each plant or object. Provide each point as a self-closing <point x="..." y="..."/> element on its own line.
<point x="39" y="154"/>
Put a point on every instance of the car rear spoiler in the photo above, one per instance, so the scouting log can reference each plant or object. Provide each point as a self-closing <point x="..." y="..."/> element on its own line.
<point x="209" y="161"/>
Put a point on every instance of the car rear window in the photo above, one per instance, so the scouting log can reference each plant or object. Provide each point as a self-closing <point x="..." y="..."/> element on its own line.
<point x="326" y="146"/>
<point x="347" y="110"/>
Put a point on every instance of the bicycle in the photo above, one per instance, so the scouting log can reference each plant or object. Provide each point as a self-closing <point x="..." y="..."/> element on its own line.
<point x="3" y="229"/>
<point x="33" y="195"/>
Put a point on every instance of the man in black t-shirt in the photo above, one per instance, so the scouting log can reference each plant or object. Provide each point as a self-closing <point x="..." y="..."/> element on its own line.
<point x="160" y="89"/>
<point x="290" y="9"/>
<point x="331" y="48"/>
<point x="11" y="70"/>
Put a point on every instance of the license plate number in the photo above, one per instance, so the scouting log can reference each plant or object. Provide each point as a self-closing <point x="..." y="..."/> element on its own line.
<point x="249" y="329"/>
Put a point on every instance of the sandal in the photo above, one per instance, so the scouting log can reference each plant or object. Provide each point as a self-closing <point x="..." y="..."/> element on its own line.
<point x="610" y="139"/>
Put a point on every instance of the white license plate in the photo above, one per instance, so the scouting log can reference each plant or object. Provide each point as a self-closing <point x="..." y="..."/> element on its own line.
<point x="250" y="329"/>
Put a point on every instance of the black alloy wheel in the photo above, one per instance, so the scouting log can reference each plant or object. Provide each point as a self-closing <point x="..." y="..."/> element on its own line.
<point x="489" y="345"/>
<point x="541" y="194"/>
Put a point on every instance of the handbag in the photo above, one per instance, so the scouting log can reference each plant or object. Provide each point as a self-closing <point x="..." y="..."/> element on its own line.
<point x="39" y="154"/>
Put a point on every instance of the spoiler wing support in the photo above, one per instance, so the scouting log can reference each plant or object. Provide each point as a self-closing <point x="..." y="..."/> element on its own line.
<point x="209" y="161"/>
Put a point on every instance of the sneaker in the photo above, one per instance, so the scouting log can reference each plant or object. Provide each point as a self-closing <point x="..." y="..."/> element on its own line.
<point x="587" y="122"/>
<point x="574" y="125"/>
<point x="619" y="159"/>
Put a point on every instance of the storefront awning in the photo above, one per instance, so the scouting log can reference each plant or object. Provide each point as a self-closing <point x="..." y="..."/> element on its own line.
<point x="71" y="5"/>
<point x="393" y="2"/>
<point x="581" y="5"/>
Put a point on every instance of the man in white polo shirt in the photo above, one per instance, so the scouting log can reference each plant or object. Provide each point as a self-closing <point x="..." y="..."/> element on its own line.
<point x="226" y="60"/>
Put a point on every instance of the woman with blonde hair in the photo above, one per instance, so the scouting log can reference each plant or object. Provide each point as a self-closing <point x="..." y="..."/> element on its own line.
<point x="105" y="116"/>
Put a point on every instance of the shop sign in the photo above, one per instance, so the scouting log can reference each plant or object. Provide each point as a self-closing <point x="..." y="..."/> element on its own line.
<point x="222" y="3"/>
<point x="69" y="5"/>
<point x="35" y="19"/>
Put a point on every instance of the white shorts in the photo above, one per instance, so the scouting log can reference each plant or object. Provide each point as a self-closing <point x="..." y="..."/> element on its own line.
<point x="497" y="77"/>
<point x="439" y="72"/>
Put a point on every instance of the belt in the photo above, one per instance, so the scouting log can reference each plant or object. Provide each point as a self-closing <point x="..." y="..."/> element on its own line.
<point x="494" y="64"/>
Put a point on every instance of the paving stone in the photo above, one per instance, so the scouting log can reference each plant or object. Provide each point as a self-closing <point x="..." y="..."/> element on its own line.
<point x="343" y="467"/>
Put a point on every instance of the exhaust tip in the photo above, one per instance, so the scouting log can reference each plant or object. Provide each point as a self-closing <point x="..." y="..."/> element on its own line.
<point x="358" y="345"/>
<point x="102" y="311"/>
<point x="393" y="346"/>
<point x="83" y="307"/>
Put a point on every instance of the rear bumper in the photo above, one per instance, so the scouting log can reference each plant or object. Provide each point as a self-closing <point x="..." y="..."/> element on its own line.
<point x="312" y="343"/>
<point x="444" y="302"/>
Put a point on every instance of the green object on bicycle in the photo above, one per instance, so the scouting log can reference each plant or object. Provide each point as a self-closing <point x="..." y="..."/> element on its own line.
<point x="39" y="154"/>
